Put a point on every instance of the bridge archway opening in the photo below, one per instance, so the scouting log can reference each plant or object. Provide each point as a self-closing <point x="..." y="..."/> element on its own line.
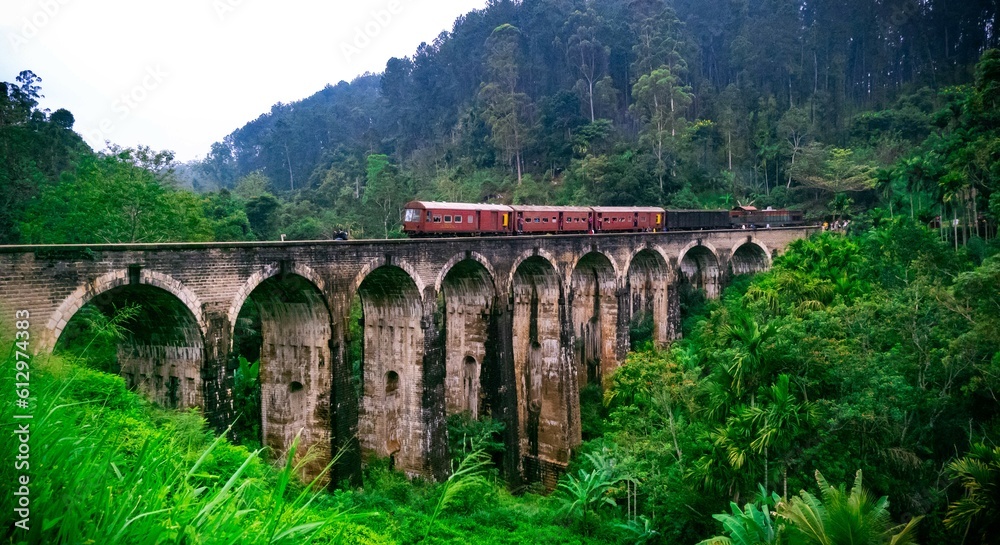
<point x="159" y="348"/>
<point x="594" y="307"/>
<point x="284" y="325"/>
<point x="700" y="272"/>
<point x="595" y="316"/>
<point x="649" y="292"/>
<point x="387" y="363"/>
<point x="472" y="379"/>
<point x="541" y="392"/>
<point x="749" y="258"/>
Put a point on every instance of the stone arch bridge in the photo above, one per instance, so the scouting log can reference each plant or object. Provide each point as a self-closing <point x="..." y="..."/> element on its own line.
<point x="512" y="327"/>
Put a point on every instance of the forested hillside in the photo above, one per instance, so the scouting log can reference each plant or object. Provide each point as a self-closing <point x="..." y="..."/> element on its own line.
<point x="831" y="107"/>
<point x="685" y="103"/>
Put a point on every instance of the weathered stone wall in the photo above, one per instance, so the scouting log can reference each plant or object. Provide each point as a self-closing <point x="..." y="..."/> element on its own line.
<point x="522" y="308"/>
<point x="294" y="367"/>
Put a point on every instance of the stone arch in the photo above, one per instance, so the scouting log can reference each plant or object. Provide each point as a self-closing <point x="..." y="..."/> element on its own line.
<point x="652" y="300"/>
<point x="270" y="271"/>
<point x="162" y="352"/>
<point x="294" y="323"/>
<point x="542" y="383"/>
<point x="468" y="297"/>
<point x="664" y="259"/>
<point x="82" y="295"/>
<point x="380" y="262"/>
<point x="698" y="265"/>
<point x="615" y="269"/>
<point x="458" y="258"/>
<point x="393" y="342"/>
<point x="749" y="257"/>
<point x="594" y="308"/>
<point x="524" y="256"/>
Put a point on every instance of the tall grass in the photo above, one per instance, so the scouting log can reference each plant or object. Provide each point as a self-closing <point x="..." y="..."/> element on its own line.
<point x="108" y="467"/>
<point x="103" y="473"/>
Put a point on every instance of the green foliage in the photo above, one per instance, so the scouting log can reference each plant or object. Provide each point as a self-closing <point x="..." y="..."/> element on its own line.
<point x="582" y="496"/>
<point x="977" y="513"/>
<point x="246" y="401"/>
<point x="466" y="478"/>
<point x="751" y="526"/>
<point x="838" y="516"/>
<point x="92" y="336"/>
<point x="467" y="435"/>
<point x="104" y="472"/>
<point x="110" y="198"/>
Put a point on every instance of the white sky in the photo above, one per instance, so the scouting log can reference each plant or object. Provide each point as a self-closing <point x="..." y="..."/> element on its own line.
<point x="182" y="74"/>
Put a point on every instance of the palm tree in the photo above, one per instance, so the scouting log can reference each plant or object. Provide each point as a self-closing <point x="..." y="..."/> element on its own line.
<point x="978" y="513"/>
<point x="749" y="365"/>
<point x="779" y="421"/>
<point x="838" y="517"/>
<point x="751" y="526"/>
<point x="582" y="496"/>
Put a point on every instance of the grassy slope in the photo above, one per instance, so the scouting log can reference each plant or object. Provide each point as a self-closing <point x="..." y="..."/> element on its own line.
<point x="108" y="467"/>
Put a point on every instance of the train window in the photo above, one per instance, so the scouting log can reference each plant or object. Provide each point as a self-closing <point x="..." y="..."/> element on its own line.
<point x="447" y="219"/>
<point x="412" y="214"/>
<point x="428" y="215"/>
<point x="554" y="219"/>
<point x="437" y="219"/>
<point x="470" y="219"/>
<point x="536" y="220"/>
<point x="545" y="220"/>
<point x="458" y="219"/>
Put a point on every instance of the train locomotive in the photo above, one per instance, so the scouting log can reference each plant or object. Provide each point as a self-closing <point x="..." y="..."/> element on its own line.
<point x="427" y="218"/>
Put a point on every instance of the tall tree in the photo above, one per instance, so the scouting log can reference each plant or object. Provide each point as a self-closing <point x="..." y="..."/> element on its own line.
<point x="505" y="106"/>
<point x="660" y="102"/>
<point x="586" y="52"/>
<point x="385" y="191"/>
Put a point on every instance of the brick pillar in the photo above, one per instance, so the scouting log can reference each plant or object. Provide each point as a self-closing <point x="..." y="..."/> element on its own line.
<point x="498" y="380"/>
<point x="673" y="312"/>
<point x="217" y="371"/>
<point x="569" y="379"/>
<point x="436" y="455"/>
<point x="622" y="340"/>
<point x="344" y="403"/>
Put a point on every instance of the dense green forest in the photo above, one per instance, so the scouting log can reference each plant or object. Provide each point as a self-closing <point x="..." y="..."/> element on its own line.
<point x="851" y="389"/>
<point x="676" y="103"/>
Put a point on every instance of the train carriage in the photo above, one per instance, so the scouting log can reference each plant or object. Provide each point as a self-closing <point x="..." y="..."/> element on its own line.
<point x="627" y="218"/>
<point x="689" y="220"/>
<point x="746" y="216"/>
<point x="425" y="218"/>
<point x="552" y="219"/>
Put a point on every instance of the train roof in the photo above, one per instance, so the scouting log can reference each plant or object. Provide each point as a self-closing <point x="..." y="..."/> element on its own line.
<point x="435" y="205"/>
<point x="612" y="209"/>
<point x="534" y="208"/>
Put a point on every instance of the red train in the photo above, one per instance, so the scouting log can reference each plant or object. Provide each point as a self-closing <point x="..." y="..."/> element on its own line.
<point x="424" y="218"/>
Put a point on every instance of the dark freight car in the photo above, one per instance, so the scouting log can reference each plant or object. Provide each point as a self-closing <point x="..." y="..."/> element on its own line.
<point x="687" y="220"/>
